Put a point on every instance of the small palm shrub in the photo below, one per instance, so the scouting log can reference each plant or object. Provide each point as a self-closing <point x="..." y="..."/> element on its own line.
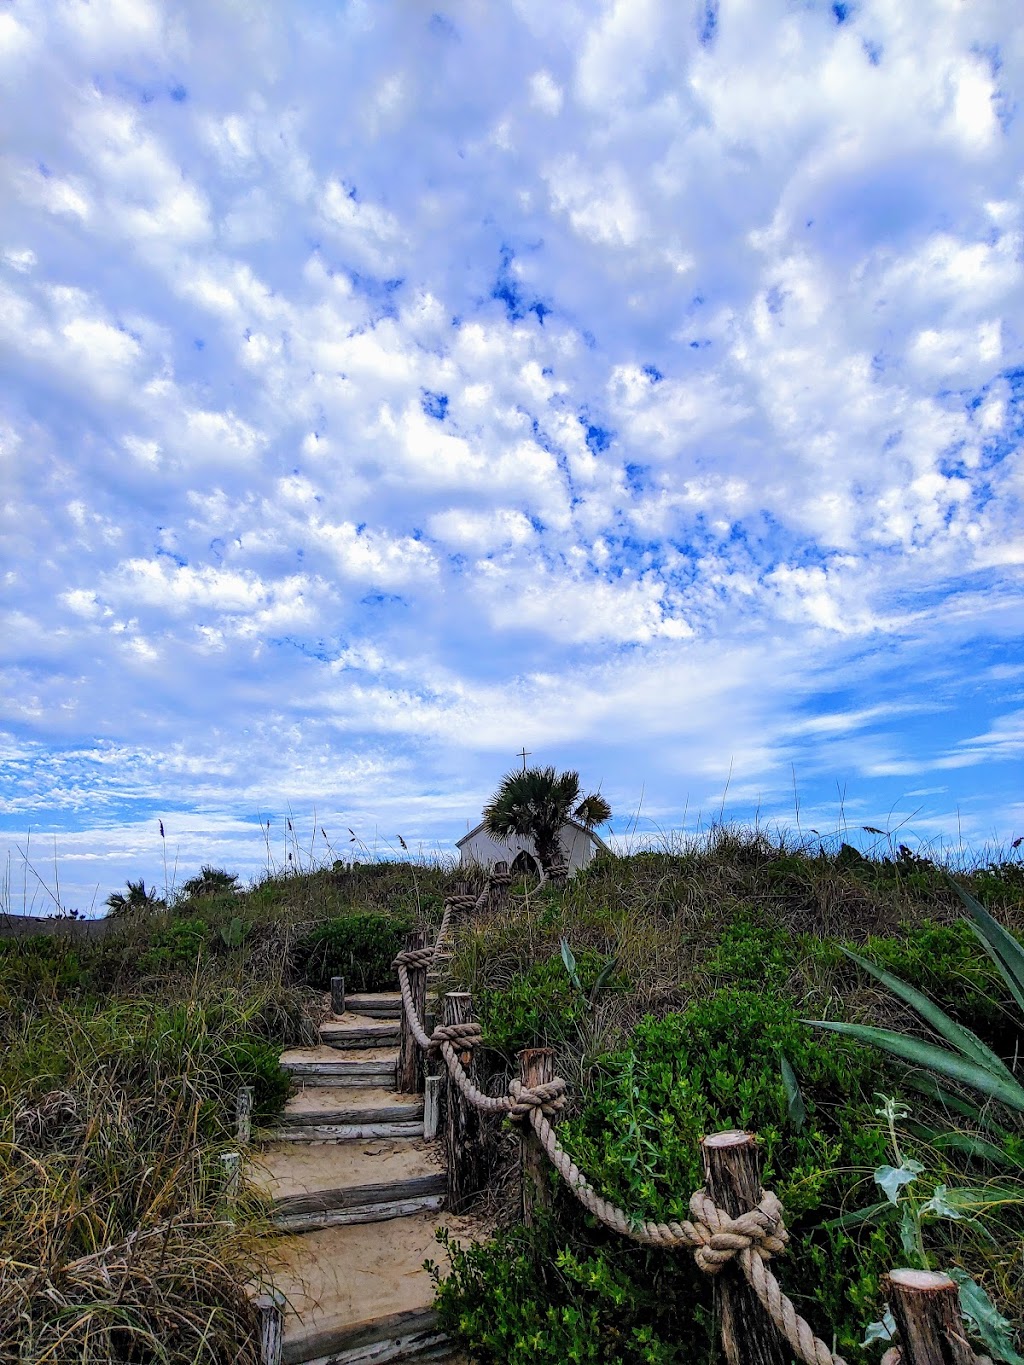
<point x="138" y="900"/>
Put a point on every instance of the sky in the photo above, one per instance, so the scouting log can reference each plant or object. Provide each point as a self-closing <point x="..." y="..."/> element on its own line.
<point x="387" y="389"/>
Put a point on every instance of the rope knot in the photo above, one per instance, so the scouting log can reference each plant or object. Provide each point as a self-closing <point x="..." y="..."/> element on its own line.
<point x="760" y="1230"/>
<point x="414" y="957"/>
<point x="462" y="1037"/>
<point x="497" y="880"/>
<point x="549" y="1097"/>
<point x="455" y="903"/>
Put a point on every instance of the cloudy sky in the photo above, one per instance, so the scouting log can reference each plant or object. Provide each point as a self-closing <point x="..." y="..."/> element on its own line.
<point x="384" y="389"/>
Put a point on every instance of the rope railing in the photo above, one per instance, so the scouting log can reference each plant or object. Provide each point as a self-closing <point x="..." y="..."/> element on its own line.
<point x="749" y="1240"/>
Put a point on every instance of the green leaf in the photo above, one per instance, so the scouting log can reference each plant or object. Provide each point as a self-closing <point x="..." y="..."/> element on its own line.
<point x="999" y="943"/>
<point x="891" y="1179"/>
<point x="570" y="964"/>
<point x="961" y="1038"/>
<point x="881" y="1331"/>
<point x="878" y="1213"/>
<point x="929" y="1086"/>
<point x="963" y="1142"/>
<point x="985" y="1320"/>
<point x="939" y="1207"/>
<point x="794" y="1099"/>
<point x="931" y="1058"/>
<point x="910" y="1238"/>
<point x="603" y="977"/>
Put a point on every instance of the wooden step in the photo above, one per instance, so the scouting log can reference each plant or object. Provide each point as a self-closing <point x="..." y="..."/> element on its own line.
<point x="400" y="1336"/>
<point x="357" y="1034"/>
<point x="320" y="1185"/>
<point x="379" y="1005"/>
<point x="359" y="1294"/>
<point x="373" y="1073"/>
<point x="338" y="1114"/>
<point x="374" y="1203"/>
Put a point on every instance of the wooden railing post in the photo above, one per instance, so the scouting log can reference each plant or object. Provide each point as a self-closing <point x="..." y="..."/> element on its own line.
<point x="243" y="1114"/>
<point x="408" y="1071"/>
<point x="497" y="892"/>
<point x="337" y="995"/>
<point x="463" y="1131"/>
<point x="536" y="1067"/>
<point x="271" y="1310"/>
<point x="433" y="1088"/>
<point x="732" y="1165"/>
<point x="231" y="1164"/>
<point x="926" y="1307"/>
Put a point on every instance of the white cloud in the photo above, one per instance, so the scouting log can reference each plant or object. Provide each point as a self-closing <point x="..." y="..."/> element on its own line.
<point x="641" y="384"/>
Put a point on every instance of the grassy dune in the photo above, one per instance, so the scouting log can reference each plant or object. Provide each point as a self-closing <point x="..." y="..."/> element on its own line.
<point x="119" y="1059"/>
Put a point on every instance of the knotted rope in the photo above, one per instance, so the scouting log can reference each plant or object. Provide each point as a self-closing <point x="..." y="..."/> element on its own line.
<point x="414" y="957"/>
<point x="463" y="1037"/>
<point x="547" y="1097"/>
<point x="750" y="1240"/>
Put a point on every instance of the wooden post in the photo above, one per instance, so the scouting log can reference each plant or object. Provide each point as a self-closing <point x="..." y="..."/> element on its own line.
<point x="732" y="1165"/>
<point x="463" y="1130"/>
<point x="536" y="1067"/>
<point x="271" y="1311"/>
<point x="337" y="995"/>
<point x="497" y="896"/>
<point x="432" y="1106"/>
<point x="926" y="1307"/>
<point x="243" y="1114"/>
<point x="408" y="1071"/>
<point x="232" y="1164"/>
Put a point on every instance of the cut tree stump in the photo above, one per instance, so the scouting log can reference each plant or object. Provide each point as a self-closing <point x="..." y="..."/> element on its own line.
<point x="926" y="1307"/>
<point x="409" y="1071"/>
<point x="464" y="1134"/>
<point x="536" y="1067"/>
<point x="732" y="1163"/>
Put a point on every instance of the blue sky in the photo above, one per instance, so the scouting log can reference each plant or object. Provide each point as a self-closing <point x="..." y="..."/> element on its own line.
<point x="383" y="390"/>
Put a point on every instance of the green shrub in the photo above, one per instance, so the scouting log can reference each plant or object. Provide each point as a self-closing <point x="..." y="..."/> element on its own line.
<point x="42" y="963"/>
<point x="176" y="947"/>
<point x="361" y="948"/>
<point x="576" y="1292"/>
<point x="252" y="1061"/>
<point x="540" y="1006"/>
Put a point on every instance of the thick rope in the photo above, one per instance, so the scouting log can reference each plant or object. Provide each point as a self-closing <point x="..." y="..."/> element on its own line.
<point x="750" y="1240"/>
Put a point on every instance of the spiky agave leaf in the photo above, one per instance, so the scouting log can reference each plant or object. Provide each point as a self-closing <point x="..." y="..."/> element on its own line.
<point x="999" y="943"/>
<point x="965" y="1042"/>
<point x="939" y="1060"/>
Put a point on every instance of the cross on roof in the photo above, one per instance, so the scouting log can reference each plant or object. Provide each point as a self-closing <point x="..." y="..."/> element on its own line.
<point x="524" y="754"/>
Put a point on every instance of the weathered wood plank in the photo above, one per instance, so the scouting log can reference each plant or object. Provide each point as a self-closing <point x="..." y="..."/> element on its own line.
<point x="348" y="1132"/>
<point x="358" y="1035"/>
<point x="382" y="1006"/>
<point x="398" y="1334"/>
<point x="377" y="1113"/>
<point x="356" y="1196"/>
<point x="368" y="1080"/>
<point x="373" y="1066"/>
<point x="368" y="1213"/>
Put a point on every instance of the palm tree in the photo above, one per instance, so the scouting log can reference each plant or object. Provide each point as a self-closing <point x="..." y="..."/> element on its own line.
<point x="211" y="881"/>
<point x="535" y="803"/>
<point x="137" y="899"/>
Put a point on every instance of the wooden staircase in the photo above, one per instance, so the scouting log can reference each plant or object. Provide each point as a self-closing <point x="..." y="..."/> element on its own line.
<point x="357" y="1194"/>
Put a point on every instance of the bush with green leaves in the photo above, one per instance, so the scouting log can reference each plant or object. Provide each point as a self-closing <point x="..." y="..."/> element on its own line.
<point x="361" y="948"/>
<point x="178" y="946"/>
<point x="544" y="1004"/>
<point x="736" y="1058"/>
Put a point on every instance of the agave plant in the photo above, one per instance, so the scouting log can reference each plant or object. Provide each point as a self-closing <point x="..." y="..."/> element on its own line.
<point x="965" y="1060"/>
